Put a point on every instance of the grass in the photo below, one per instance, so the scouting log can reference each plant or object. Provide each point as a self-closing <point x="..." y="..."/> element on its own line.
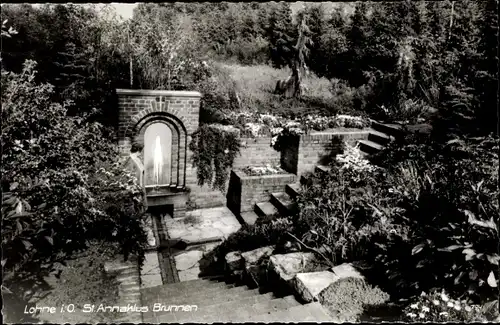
<point x="255" y="86"/>
<point x="82" y="281"/>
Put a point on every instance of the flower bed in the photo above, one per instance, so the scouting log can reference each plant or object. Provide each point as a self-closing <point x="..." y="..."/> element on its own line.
<point x="439" y="307"/>
<point x="262" y="171"/>
<point x="255" y="124"/>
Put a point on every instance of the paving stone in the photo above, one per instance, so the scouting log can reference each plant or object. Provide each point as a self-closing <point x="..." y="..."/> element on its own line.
<point x="210" y="223"/>
<point x="150" y="272"/>
<point x="188" y="259"/>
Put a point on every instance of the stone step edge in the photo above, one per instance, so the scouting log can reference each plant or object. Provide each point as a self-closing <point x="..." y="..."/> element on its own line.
<point x="200" y="281"/>
<point x="197" y="294"/>
<point x="207" y="302"/>
<point x="214" y="308"/>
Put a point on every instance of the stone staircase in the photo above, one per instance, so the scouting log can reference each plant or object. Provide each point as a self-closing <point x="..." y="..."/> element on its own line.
<point x="378" y="137"/>
<point x="219" y="299"/>
<point x="283" y="203"/>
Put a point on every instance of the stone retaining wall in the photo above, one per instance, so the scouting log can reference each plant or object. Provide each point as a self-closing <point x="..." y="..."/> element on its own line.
<point x="245" y="191"/>
<point x="317" y="148"/>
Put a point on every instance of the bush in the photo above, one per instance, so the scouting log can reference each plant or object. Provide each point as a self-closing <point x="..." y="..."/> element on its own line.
<point x="340" y="210"/>
<point x="449" y="196"/>
<point x="62" y="185"/>
<point x="259" y="235"/>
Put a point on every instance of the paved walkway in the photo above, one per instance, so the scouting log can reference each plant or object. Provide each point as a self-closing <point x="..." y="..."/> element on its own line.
<point x="202" y="224"/>
<point x="199" y="226"/>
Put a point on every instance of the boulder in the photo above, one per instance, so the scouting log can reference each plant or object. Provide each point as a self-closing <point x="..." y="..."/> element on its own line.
<point x="309" y="285"/>
<point x="286" y="266"/>
<point x="234" y="261"/>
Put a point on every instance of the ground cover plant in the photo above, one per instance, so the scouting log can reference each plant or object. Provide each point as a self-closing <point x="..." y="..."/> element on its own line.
<point x="261" y="171"/>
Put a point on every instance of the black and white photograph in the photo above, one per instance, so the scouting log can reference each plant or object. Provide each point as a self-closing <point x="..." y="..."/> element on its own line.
<point x="250" y="162"/>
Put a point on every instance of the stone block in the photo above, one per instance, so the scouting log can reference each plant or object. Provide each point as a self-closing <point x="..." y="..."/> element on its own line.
<point x="286" y="266"/>
<point x="309" y="285"/>
<point x="234" y="261"/>
<point x="251" y="260"/>
<point x="253" y="257"/>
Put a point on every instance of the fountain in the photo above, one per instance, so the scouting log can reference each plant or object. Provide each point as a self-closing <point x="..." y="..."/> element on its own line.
<point x="158" y="162"/>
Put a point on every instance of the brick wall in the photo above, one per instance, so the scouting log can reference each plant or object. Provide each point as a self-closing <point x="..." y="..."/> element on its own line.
<point x="245" y="191"/>
<point x="317" y="148"/>
<point x="256" y="152"/>
<point x="179" y="110"/>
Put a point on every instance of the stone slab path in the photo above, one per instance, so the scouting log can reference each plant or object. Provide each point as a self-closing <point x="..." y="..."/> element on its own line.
<point x="202" y="224"/>
<point x="212" y="225"/>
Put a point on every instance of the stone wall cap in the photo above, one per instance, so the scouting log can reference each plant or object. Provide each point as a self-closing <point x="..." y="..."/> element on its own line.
<point x="149" y="92"/>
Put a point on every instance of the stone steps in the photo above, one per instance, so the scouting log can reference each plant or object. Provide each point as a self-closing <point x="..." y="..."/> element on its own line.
<point x="312" y="312"/>
<point x="249" y="217"/>
<point x="394" y="130"/>
<point x="293" y="190"/>
<point x="379" y="137"/>
<point x="369" y="147"/>
<point x="186" y="286"/>
<point x="265" y="210"/>
<point x="284" y="203"/>
<point x="225" y="303"/>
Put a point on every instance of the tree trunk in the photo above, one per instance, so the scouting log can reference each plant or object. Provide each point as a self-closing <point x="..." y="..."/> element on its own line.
<point x="131" y="74"/>
<point x="451" y="18"/>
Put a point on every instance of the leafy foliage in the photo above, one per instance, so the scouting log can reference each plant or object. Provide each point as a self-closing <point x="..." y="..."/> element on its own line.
<point x="214" y="149"/>
<point x="62" y="186"/>
<point x="439" y="307"/>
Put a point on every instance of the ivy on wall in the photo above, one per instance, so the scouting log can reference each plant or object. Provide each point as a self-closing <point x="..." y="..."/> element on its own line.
<point x="214" y="148"/>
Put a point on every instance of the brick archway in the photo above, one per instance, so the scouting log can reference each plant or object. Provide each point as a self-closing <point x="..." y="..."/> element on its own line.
<point x="179" y="110"/>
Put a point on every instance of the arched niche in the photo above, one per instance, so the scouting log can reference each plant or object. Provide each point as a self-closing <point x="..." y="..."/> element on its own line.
<point x="157" y="154"/>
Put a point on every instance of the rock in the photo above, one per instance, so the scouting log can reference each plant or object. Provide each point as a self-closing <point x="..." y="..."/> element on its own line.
<point x="310" y="285"/>
<point x="253" y="257"/>
<point x="347" y="270"/>
<point x="234" y="261"/>
<point x="252" y="263"/>
<point x="286" y="266"/>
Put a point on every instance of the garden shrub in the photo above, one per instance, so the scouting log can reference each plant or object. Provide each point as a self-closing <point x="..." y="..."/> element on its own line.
<point x="449" y="196"/>
<point x="258" y="235"/>
<point x="342" y="208"/>
<point x="214" y="148"/>
<point x="62" y="186"/>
